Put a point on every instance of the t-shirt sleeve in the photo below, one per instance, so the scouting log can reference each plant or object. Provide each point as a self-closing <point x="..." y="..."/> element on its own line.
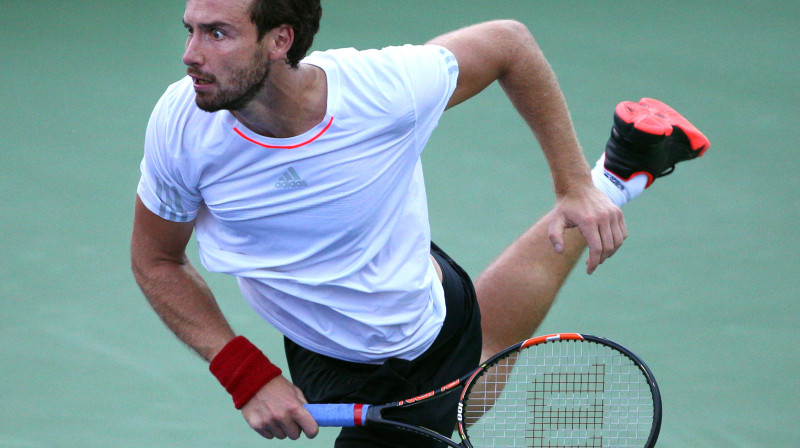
<point x="162" y="186"/>
<point x="432" y="74"/>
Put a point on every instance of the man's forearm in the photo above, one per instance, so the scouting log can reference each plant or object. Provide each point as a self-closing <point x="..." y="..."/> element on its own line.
<point x="505" y="51"/>
<point x="532" y="87"/>
<point x="185" y="303"/>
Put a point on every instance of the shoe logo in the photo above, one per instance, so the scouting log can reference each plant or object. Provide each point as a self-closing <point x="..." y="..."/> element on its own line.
<point x="617" y="183"/>
<point x="290" y="179"/>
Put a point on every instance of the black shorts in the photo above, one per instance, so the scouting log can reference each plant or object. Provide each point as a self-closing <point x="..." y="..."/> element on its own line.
<point x="455" y="352"/>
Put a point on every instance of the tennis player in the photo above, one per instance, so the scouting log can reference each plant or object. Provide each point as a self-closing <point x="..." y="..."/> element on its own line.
<point x="300" y="175"/>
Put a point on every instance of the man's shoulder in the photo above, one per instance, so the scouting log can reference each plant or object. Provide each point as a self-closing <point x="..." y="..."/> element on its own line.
<point x="383" y="68"/>
<point x="179" y="96"/>
<point x="177" y="108"/>
<point x="178" y="127"/>
<point x="374" y="55"/>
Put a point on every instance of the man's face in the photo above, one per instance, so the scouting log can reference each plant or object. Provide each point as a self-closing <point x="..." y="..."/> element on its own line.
<point x="228" y="64"/>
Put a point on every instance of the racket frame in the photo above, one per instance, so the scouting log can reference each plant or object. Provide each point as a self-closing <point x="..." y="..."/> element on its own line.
<point x="373" y="414"/>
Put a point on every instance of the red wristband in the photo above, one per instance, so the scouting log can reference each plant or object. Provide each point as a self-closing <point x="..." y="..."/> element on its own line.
<point x="242" y="369"/>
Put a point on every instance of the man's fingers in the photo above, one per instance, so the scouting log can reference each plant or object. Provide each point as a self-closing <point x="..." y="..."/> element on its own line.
<point x="613" y="234"/>
<point x="299" y="421"/>
<point x="269" y="431"/>
<point x="595" y="242"/>
<point x="304" y="418"/>
<point x="277" y="411"/>
<point x="291" y="430"/>
<point x="279" y="429"/>
<point x="620" y="232"/>
<point x="308" y="424"/>
<point x="556" y="231"/>
<point x="601" y="224"/>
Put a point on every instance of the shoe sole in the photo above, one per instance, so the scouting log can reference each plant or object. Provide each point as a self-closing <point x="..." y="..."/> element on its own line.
<point x="656" y="119"/>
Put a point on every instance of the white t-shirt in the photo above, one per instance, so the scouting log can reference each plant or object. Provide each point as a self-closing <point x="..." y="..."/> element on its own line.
<point x="327" y="232"/>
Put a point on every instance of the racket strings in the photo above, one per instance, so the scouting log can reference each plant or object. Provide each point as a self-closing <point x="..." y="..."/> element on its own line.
<point x="561" y="394"/>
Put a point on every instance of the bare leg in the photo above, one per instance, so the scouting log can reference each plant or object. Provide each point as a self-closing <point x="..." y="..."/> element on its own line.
<point x="516" y="291"/>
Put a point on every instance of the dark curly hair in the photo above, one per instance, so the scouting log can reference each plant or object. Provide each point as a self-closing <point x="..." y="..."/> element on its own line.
<point x="302" y="15"/>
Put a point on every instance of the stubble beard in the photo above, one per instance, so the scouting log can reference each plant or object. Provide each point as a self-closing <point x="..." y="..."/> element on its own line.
<point x="245" y="83"/>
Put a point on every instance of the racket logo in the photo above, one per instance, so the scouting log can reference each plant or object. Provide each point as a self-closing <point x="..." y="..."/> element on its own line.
<point x="459" y="416"/>
<point x="417" y="398"/>
<point x="451" y="385"/>
<point x="430" y="394"/>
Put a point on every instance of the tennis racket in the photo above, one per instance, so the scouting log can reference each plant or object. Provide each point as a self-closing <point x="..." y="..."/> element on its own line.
<point x="560" y="390"/>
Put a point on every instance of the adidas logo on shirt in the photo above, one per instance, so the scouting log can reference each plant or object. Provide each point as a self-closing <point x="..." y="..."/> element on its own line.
<point x="290" y="179"/>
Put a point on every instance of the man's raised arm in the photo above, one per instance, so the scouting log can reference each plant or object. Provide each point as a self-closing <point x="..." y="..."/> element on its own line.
<point x="505" y="51"/>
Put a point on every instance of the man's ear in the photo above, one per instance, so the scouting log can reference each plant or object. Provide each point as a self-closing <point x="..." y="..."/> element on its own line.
<point x="280" y="41"/>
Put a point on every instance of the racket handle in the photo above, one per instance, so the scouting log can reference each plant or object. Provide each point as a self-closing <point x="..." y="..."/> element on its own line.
<point x="342" y="415"/>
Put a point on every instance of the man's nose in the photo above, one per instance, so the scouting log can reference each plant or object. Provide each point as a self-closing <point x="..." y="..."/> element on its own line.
<point x="193" y="54"/>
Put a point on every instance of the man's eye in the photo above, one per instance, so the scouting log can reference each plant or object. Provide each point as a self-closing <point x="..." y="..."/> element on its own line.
<point x="217" y="34"/>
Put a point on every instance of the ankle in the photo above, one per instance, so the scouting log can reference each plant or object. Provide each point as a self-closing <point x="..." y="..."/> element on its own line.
<point x="618" y="190"/>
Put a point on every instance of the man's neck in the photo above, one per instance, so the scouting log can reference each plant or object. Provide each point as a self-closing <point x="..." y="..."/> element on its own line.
<point x="292" y="102"/>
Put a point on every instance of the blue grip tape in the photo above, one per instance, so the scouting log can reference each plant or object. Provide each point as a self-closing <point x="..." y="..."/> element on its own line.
<point x="343" y="415"/>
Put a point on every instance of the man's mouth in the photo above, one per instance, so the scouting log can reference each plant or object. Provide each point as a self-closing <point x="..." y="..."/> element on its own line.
<point x="200" y="79"/>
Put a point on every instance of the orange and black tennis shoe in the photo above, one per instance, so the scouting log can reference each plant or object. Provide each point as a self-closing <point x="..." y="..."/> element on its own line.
<point x="650" y="137"/>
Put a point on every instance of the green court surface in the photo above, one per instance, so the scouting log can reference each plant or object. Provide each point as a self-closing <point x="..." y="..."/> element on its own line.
<point x="704" y="289"/>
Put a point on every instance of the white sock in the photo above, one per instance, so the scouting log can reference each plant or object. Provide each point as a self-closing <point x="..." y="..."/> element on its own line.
<point x="619" y="191"/>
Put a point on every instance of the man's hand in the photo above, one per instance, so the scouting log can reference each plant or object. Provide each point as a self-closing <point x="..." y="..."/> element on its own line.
<point x="277" y="411"/>
<point x="599" y="221"/>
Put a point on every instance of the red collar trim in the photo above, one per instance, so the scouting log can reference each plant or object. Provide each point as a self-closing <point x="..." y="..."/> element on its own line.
<point x="241" y="134"/>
